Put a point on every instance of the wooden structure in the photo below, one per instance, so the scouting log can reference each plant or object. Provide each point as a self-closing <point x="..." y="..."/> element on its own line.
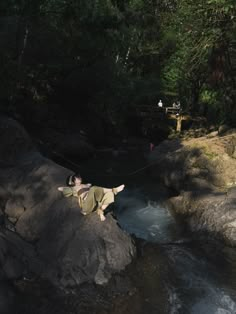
<point x="171" y="110"/>
<point x="172" y="113"/>
<point x="179" y="118"/>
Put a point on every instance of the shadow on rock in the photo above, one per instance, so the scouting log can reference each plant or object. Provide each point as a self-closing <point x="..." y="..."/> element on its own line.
<point x="66" y="248"/>
<point x="199" y="174"/>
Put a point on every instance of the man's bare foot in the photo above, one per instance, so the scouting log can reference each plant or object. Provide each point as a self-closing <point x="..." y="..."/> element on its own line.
<point x="118" y="189"/>
<point x="101" y="214"/>
<point x="102" y="217"/>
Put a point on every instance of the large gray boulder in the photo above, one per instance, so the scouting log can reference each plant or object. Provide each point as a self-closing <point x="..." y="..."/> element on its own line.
<point x="210" y="213"/>
<point x="201" y="173"/>
<point x="61" y="245"/>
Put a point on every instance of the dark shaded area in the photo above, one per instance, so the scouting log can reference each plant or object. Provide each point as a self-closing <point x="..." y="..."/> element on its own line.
<point x="43" y="236"/>
<point x="110" y="60"/>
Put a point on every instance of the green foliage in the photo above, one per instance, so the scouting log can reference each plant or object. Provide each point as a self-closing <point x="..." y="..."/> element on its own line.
<point x="117" y="55"/>
<point x="203" y="32"/>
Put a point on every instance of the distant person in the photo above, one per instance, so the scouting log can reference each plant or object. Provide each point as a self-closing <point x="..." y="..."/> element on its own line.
<point x="90" y="198"/>
<point x="151" y="147"/>
<point x="160" y="104"/>
<point x="178" y="106"/>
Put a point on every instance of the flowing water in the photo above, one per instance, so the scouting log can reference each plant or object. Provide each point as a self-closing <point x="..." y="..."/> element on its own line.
<point x="198" y="276"/>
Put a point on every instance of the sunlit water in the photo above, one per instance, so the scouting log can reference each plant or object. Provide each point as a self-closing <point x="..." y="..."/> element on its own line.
<point x="146" y="219"/>
<point x="199" y="282"/>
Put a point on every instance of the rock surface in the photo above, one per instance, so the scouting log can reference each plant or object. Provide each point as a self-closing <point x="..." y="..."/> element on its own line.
<point x="201" y="172"/>
<point x="211" y="213"/>
<point x="49" y="237"/>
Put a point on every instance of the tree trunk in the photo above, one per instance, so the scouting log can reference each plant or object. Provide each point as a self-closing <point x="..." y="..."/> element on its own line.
<point x="22" y="52"/>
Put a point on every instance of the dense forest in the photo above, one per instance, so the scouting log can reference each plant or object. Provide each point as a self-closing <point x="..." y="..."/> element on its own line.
<point x="106" y="58"/>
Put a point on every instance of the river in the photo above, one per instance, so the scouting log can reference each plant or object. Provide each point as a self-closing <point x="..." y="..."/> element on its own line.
<point x="197" y="274"/>
<point x="175" y="272"/>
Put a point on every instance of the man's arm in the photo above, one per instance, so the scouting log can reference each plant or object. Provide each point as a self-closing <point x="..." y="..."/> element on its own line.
<point x="87" y="185"/>
<point x="67" y="191"/>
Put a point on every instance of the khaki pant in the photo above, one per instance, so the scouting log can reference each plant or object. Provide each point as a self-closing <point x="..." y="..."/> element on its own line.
<point x="95" y="199"/>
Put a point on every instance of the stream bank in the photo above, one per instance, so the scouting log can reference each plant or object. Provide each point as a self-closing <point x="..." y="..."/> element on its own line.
<point x="202" y="172"/>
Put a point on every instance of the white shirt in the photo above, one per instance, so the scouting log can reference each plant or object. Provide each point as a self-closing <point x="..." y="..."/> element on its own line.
<point x="160" y="104"/>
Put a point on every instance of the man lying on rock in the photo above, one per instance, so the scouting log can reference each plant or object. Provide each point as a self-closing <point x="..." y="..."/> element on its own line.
<point x="90" y="198"/>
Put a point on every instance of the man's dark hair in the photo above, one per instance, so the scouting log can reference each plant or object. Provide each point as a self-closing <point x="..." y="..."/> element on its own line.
<point x="70" y="181"/>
